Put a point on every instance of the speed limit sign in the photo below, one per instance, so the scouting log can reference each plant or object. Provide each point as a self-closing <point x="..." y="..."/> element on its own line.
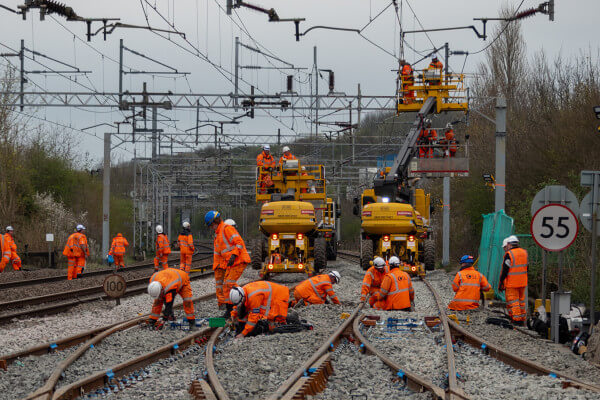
<point x="554" y="227"/>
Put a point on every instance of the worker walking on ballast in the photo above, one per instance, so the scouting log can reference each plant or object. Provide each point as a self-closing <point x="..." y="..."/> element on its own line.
<point x="396" y="289"/>
<point x="117" y="250"/>
<point x="186" y="247"/>
<point x="468" y="283"/>
<point x="163" y="249"/>
<point x="11" y="250"/>
<point x="4" y="253"/>
<point x="316" y="289"/>
<point x="373" y="278"/>
<point x="76" y="250"/>
<point x="513" y="278"/>
<point x="164" y="286"/>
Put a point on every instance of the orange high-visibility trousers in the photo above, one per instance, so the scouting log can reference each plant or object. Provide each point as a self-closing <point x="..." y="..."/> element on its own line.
<point x="188" y="304"/>
<point x="515" y="303"/>
<point x="161" y="261"/>
<point x="15" y="261"/>
<point x="219" y="278"/>
<point x="71" y="269"/>
<point x="232" y="274"/>
<point x="185" y="262"/>
<point x="119" y="260"/>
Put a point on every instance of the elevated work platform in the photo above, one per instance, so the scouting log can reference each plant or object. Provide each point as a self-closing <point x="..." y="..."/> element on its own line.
<point x="447" y="89"/>
<point x="291" y="181"/>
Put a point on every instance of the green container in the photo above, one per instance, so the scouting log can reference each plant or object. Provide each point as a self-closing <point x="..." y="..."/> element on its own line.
<point x="216" y="322"/>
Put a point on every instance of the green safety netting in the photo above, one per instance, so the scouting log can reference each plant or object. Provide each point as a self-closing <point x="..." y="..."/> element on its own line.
<point x="496" y="227"/>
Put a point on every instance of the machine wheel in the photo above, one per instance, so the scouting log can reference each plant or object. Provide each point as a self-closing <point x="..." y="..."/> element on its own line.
<point x="366" y="253"/>
<point x="263" y="246"/>
<point x="256" y="253"/>
<point x="429" y="255"/>
<point x="332" y="250"/>
<point x="320" y="251"/>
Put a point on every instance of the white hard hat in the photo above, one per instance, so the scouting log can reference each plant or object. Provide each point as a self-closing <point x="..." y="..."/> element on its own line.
<point x="154" y="289"/>
<point x="394" y="260"/>
<point x="80" y="227"/>
<point x="285" y="149"/>
<point x="236" y="295"/>
<point x="303" y="168"/>
<point x="336" y="276"/>
<point x="267" y="147"/>
<point x="379" y="262"/>
<point x="9" y="228"/>
<point x="159" y="229"/>
<point x="510" y="239"/>
<point x="186" y="225"/>
<point x="448" y="125"/>
<point x="229" y="221"/>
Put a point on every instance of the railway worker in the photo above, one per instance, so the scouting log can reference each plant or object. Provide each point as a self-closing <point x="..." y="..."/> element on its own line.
<point x="117" y="250"/>
<point x="372" y="281"/>
<point x="513" y="278"/>
<point x="408" y="79"/>
<point x="437" y="66"/>
<point x="229" y="260"/>
<point x="426" y="140"/>
<point x="11" y="250"/>
<point x="287" y="155"/>
<point x="316" y="289"/>
<point x="468" y="283"/>
<point x="396" y="291"/>
<point x="448" y="142"/>
<point x="164" y="286"/>
<point x="163" y="249"/>
<point x="4" y="253"/>
<point x="266" y="162"/>
<point x="186" y="247"/>
<point x="76" y="251"/>
<point x="261" y="305"/>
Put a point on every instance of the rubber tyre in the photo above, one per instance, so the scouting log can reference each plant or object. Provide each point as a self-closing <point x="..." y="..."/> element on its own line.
<point x="256" y="258"/>
<point x="320" y="251"/>
<point x="366" y="254"/>
<point x="263" y="245"/>
<point x="429" y="255"/>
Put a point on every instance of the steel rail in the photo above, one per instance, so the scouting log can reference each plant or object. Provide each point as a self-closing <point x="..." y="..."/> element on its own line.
<point x="213" y="378"/>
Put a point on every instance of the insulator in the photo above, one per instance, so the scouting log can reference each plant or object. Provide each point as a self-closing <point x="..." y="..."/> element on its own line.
<point x="331" y="81"/>
<point x="525" y="14"/>
<point x="290" y="83"/>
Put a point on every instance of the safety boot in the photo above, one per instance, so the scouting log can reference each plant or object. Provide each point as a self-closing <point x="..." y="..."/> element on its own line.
<point x="229" y="308"/>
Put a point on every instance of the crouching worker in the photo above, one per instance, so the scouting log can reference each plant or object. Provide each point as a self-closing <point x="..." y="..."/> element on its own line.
<point x="316" y="289"/>
<point x="164" y="286"/>
<point x="396" y="291"/>
<point x="372" y="281"/>
<point x="259" y="307"/>
<point x="467" y="284"/>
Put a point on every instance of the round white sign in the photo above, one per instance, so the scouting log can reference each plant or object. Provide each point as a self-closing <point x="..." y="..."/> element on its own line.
<point x="554" y="227"/>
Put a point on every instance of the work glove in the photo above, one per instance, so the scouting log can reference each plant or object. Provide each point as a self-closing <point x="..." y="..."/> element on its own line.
<point x="231" y="260"/>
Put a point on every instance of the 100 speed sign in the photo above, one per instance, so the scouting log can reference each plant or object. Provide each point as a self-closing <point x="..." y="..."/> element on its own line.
<point x="554" y="227"/>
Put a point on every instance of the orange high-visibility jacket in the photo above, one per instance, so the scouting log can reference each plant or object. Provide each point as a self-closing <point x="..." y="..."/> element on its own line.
<point x="186" y="242"/>
<point x="427" y="136"/>
<point x="467" y="284"/>
<point x="372" y="281"/>
<point x="171" y="279"/>
<point x="265" y="160"/>
<point x="118" y="246"/>
<point x="407" y="73"/>
<point x="11" y="243"/>
<point x="77" y="246"/>
<point x="284" y="157"/>
<point x="396" y="290"/>
<point x="4" y="252"/>
<point x="162" y="245"/>
<point x="228" y="242"/>
<point x="265" y="300"/>
<point x="449" y="141"/>
<point x="436" y="65"/>
<point x="317" y="288"/>
<point x="516" y="274"/>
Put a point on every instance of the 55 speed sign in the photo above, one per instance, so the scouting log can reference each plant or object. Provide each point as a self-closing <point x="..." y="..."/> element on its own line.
<point x="554" y="227"/>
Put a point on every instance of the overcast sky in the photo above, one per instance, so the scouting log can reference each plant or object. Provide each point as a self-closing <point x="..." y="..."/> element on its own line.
<point x="212" y="33"/>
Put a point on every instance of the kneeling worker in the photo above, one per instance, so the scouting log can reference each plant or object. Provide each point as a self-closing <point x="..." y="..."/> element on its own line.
<point x="467" y="284"/>
<point x="164" y="285"/>
<point x="261" y="304"/>
<point x="396" y="289"/>
<point x="316" y="289"/>
<point x="372" y="281"/>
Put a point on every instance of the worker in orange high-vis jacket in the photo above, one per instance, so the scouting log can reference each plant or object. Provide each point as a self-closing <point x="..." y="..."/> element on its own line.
<point x="287" y="155"/>
<point x="229" y="260"/>
<point x="163" y="249"/>
<point x="261" y="304"/>
<point x="513" y="279"/>
<point x="14" y="258"/>
<point x="266" y="162"/>
<point x="408" y="79"/>
<point x="372" y="281"/>
<point x="117" y="250"/>
<point x="164" y="286"/>
<point x="186" y="248"/>
<point x="468" y="284"/>
<point x="4" y="253"/>
<point x="316" y="289"/>
<point x="77" y="251"/>
<point x="396" y="291"/>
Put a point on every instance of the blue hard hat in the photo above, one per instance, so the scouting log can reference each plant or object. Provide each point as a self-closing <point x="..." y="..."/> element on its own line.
<point x="466" y="259"/>
<point x="210" y="217"/>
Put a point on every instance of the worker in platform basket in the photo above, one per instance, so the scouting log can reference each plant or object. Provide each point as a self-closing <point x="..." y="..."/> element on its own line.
<point x="186" y="247"/>
<point x="259" y="307"/>
<point x="396" y="291"/>
<point x="468" y="284"/>
<point x="426" y="140"/>
<point x="372" y="281"/>
<point x="448" y="142"/>
<point x="408" y="79"/>
<point x="117" y="250"/>
<point x="437" y="66"/>
<point x="163" y="249"/>
<point x="513" y="278"/>
<point x="164" y="286"/>
<point x="76" y="250"/>
<point x="10" y="252"/>
<point x="287" y="155"/>
<point x="229" y="260"/>
<point x="316" y="289"/>
<point x="267" y="162"/>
